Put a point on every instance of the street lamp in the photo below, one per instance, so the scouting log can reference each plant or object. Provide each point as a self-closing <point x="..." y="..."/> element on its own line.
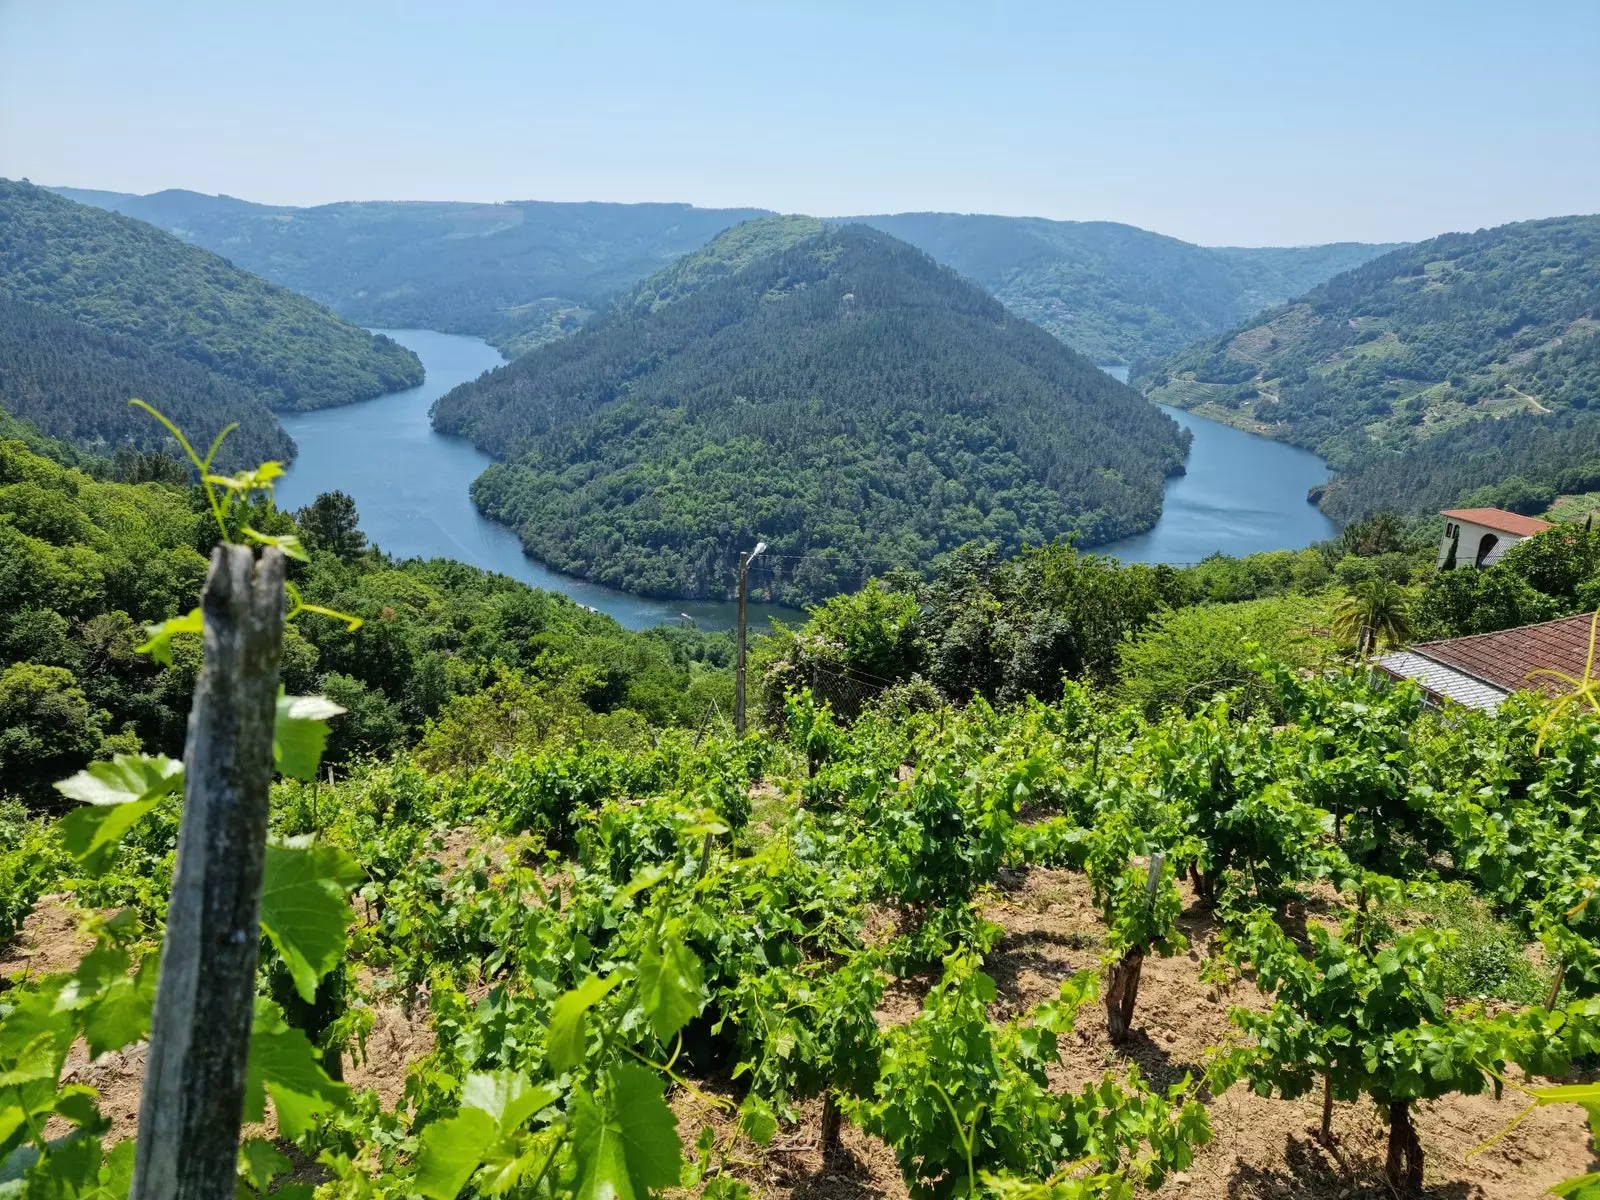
<point x="745" y="559"/>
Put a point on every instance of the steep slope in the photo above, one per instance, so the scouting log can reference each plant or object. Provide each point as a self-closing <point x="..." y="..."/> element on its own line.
<point x="1409" y="348"/>
<point x="524" y="273"/>
<point x="517" y="273"/>
<point x="73" y="382"/>
<point x="128" y="277"/>
<point x="839" y="394"/>
<point x="1113" y="292"/>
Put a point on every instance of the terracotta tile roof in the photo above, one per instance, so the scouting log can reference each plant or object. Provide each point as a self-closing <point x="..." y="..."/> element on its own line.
<point x="1504" y="659"/>
<point x="1499" y="518"/>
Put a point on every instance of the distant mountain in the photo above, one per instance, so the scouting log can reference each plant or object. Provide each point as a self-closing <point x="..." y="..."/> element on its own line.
<point x="73" y="382"/>
<point x="517" y="273"/>
<point x="128" y="277"/>
<point x="829" y="389"/>
<point x="524" y="273"/>
<point x="1113" y="292"/>
<point x="1411" y="349"/>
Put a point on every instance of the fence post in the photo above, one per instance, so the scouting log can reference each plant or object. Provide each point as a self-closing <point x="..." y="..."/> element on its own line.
<point x="738" y="677"/>
<point x="194" y="1080"/>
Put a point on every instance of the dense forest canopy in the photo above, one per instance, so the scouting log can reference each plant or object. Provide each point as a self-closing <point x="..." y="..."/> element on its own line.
<point x="1391" y="369"/>
<point x="516" y="273"/>
<point x="128" y="277"/>
<point x="842" y="396"/>
<point x="73" y="382"/>
<point x="86" y="563"/>
<point x="524" y="273"/>
<point x="1117" y="293"/>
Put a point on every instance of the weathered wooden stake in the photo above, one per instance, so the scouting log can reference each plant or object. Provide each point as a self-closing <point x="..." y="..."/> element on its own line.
<point x="194" y="1079"/>
<point x="738" y="674"/>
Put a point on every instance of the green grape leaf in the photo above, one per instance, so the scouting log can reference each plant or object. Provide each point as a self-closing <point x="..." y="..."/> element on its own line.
<point x="260" y="1163"/>
<point x="508" y="1096"/>
<point x="564" y="1040"/>
<point x="116" y="1177"/>
<point x="259" y="480"/>
<point x="284" y="1066"/>
<point x="629" y="1145"/>
<point x="125" y="779"/>
<point x="757" y="1119"/>
<point x="670" y="988"/>
<point x="300" y="732"/>
<point x="451" y="1151"/>
<point x="116" y="795"/>
<point x="90" y="833"/>
<point x="12" y="1117"/>
<point x="117" y="1005"/>
<point x="159" y="644"/>
<point x="70" y="1169"/>
<point x="287" y="542"/>
<point x="304" y="910"/>
<point x="1584" y="1187"/>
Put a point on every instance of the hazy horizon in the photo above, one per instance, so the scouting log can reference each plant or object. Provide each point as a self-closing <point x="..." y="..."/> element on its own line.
<point x="1243" y="124"/>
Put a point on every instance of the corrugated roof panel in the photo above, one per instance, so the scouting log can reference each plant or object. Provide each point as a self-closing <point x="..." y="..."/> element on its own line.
<point x="1440" y="680"/>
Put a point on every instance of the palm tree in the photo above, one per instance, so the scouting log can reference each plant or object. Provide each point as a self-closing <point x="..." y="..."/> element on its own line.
<point x="1376" y="611"/>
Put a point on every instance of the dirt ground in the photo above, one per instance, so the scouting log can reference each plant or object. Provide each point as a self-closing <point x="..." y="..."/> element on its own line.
<point x="1262" y="1149"/>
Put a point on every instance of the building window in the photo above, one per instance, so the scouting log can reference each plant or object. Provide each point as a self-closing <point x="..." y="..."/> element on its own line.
<point x="1486" y="546"/>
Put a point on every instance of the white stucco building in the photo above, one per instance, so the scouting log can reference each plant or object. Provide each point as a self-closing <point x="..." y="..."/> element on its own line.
<point x="1482" y="535"/>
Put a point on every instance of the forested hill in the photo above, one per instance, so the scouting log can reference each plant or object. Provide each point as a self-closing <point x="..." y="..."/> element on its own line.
<point x="128" y="277"/>
<point x="517" y="273"/>
<point x="523" y="273"/>
<point x="73" y="382"/>
<point x="1412" y="345"/>
<point x="1116" y="293"/>
<point x="841" y="396"/>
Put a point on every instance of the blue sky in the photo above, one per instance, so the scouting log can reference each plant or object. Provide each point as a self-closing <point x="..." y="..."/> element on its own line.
<point x="1219" y="122"/>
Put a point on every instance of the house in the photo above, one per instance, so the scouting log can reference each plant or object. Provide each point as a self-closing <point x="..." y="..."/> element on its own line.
<point x="1482" y="670"/>
<point x="1481" y="535"/>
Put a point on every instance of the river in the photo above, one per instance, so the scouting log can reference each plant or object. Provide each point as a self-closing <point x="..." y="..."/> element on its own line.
<point x="1241" y="494"/>
<point x="412" y="487"/>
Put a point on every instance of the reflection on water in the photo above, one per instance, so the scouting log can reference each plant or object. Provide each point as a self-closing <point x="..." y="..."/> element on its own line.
<point x="411" y="484"/>
<point x="1242" y="494"/>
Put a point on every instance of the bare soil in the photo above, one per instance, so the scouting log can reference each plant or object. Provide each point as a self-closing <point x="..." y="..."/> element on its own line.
<point x="1262" y="1149"/>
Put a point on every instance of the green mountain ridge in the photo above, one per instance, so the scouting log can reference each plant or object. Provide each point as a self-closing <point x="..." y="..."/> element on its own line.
<point x="523" y="273"/>
<point x="72" y="382"/>
<point x="1116" y="293"/>
<point x="127" y="277"/>
<point x="839" y="394"/>
<point x="515" y="273"/>
<point x="1390" y="370"/>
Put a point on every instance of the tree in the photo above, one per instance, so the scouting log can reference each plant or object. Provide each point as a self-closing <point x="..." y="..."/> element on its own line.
<point x="1376" y="612"/>
<point x="332" y="523"/>
<point x="1369" y="1019"/>
<point x="47" y="728"/>
<point x="1459" y="603"/>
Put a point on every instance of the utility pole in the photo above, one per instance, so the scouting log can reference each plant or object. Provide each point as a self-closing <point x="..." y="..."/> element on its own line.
<point x="744" y="598"/>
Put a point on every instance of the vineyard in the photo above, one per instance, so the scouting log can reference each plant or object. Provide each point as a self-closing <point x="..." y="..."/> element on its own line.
<point x="1312" y="938"/>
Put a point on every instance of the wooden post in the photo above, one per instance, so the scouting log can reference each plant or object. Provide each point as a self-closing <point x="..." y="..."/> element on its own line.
<point x="194" y="1078"/>
<point x="738" y="680"/>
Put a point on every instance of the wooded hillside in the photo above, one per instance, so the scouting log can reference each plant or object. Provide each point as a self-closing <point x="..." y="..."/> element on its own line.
<point x="127" y="277"/>
<point x="845" y="398"/>
<point x="73" y="382"/>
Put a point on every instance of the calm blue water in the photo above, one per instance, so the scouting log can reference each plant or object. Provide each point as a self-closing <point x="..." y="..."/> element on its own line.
<point x="1243" y="494"/>
<point x="411" y="484"/>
